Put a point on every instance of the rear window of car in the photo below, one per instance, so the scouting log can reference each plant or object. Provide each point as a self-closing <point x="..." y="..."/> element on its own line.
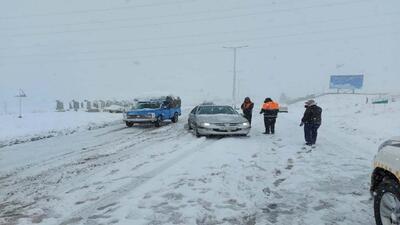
<point x="148" y="105"/>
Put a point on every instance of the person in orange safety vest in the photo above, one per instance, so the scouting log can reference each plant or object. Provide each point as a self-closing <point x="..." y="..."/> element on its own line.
<point x="270" y="110"/>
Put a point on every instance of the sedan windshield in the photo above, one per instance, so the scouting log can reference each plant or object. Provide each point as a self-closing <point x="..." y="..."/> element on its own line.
<point x="216" y="110"/>
<point x="148" y="105"/>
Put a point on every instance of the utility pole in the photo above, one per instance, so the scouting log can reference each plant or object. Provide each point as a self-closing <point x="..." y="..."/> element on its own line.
<point x="234" y="92"/>
<point x="20" y="96"/>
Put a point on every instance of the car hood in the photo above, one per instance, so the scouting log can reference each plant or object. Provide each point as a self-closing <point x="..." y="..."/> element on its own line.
<point x="397" y="139"/>
<point x="221" y="118"/>
<point x="394" y="141"/>
<point x="141" y="111"/>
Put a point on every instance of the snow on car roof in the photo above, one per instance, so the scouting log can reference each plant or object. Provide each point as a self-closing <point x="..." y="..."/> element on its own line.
<point x="154" y="95"/>
<point x="213" y="105"/>
<point x="155" y="98"/>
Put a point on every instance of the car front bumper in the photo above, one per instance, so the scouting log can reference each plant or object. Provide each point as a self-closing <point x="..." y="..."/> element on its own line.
<point x="141" y="120"/>
<point x="217" y="131"/>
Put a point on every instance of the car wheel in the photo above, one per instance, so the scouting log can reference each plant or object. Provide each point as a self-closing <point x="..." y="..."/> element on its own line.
<point x="196" y="132"/>
<point x="387" y="203"/>
<point x="158" y="122"/>
<point x="129" y="124"/>
<point x="175" y="118"/>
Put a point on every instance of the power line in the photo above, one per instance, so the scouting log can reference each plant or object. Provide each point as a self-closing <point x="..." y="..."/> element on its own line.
<point x="120" y="58"/>
<point x="196" y="52"/>
<point x="73" y="12"/>
<point x="122" y="8"/>
<point x="210" y="42"/>
<point x="192" y="35"/>
<point x="257" y="6"/>
<point x="349" y="38"/>
<point x="135" y="18"/>
<point x="183" y="21"/>
<point x="130" y="58"/>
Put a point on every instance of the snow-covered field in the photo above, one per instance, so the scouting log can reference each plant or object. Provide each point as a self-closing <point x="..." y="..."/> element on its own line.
<point x="145" y="175"/>
<point x="40" y="125"/>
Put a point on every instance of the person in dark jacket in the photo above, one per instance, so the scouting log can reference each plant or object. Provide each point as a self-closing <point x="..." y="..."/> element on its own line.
<point x="312" y="121"/>
<point x="270" y="110"/>
<point x="247" y="108"/>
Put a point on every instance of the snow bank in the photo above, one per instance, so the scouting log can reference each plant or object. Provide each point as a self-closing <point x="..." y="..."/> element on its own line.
<point x="354" y="114"/>
<point x="35" y="126"/>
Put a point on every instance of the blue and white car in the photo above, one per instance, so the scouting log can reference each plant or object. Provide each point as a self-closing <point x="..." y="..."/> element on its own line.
<point x="154" y="111"/>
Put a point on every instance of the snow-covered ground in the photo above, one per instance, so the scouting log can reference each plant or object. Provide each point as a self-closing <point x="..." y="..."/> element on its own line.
<point x="145" y="175"/>
<point x="33" y="126"/>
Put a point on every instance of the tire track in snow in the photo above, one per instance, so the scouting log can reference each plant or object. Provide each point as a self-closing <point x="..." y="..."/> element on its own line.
<point x="52" y="177"/>
<point x="88" y="214"/>
<point x="52" y="134"/>
<point x="125" y="144"/>
<point x="119" y="140"/>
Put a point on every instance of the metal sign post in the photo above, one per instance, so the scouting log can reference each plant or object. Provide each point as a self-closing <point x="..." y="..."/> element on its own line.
<point x="20" y="96"/>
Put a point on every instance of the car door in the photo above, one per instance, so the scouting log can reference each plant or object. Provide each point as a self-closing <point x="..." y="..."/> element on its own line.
<point x="165" y="111"/>
<point x="192" y="116"/>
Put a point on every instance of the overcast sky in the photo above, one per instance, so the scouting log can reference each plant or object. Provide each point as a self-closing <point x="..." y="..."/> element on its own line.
<point x="82" y="49"/>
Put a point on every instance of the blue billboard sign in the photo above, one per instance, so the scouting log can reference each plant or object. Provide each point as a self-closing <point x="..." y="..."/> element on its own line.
<point x="350" y="82"/>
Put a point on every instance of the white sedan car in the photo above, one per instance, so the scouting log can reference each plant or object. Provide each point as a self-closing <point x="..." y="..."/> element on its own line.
<point x="385" y="183"/>
<point x="217" y="120"/>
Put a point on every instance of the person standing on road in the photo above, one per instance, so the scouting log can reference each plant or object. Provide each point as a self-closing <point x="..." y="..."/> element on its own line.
<point x="270" y="110"/>
<point x="311" y="121"/>
<point x="247" y="108"/>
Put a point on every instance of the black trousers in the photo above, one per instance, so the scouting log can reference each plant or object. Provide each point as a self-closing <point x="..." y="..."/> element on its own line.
<point x="311" y="132"/>
<point x="269" y="123"/>
<point x="248" y="117"/>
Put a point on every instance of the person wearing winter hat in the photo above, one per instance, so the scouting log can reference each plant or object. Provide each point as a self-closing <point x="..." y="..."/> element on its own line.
<point x="247" y="108"/>
<point x="312" y="121"/>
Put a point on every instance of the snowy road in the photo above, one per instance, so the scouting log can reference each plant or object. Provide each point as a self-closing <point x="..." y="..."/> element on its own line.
<point x="144" y="175"/>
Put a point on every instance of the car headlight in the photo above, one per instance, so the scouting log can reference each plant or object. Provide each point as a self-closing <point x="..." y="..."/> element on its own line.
<point x="384" y="144"/>
<point x="152" y="115"/>
<point x="245" y="124"/>
<point x="206" y="124"/>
